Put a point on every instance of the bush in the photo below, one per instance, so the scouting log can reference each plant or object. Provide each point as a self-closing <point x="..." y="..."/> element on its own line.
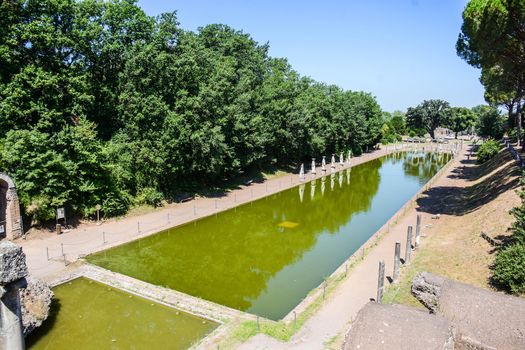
<point x="509" y="271"/>
<point x="149" y="196"/>
<point x="115" y="204"/>
<point x="487" y="151"/>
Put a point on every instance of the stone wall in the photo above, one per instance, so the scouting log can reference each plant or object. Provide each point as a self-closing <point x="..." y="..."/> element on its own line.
<point x="9" y="209"/>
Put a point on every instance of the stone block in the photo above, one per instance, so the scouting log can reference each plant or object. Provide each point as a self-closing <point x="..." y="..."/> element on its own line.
<point x="382" y="327"/>
<point x="12" y="263"/>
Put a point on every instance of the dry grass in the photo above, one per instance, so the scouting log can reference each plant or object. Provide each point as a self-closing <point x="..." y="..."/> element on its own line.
<point x="474" y="199"/>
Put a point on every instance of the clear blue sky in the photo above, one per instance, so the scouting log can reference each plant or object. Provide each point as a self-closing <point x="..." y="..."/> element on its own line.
<point x="402" y="51"/>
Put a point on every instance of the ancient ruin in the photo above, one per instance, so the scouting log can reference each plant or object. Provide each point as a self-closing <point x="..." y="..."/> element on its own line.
<point x="24" y="301"/>
<point x="10" y="219"/>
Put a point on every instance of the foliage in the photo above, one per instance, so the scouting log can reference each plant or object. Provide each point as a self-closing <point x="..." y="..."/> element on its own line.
<point x="398" y="122"/>
<point x="102" y="104"/>
<point x="490" y="124"/>
<point x="394" y="127"/>
<point x="491" y="38"/>
<point x="508" y="268"/>
<point x="487" y="151"/>
<point x="149" y="196"/>
<point x="429" y="115"/>
<point x="461" y="119"/>
<point x="508" y="271"/>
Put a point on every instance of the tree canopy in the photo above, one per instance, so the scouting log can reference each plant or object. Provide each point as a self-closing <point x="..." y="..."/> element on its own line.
<point x="492" y="38"/>
<point x="429" y="115"/>
<point x="100" y="103"/>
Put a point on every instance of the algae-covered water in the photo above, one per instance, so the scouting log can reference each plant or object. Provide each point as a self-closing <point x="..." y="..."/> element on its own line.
<point x="89" y="315"/>
<point x="264" y="257"/>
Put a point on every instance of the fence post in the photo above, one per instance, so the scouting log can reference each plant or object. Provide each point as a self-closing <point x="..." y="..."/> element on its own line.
<point x="397" y="262"/>
<point x="418" y="230"/>
<point x="408" y="252"/>
<point x="103" y="237"/>
<point x="380" y="282"/>
<point x="47" y="253"/>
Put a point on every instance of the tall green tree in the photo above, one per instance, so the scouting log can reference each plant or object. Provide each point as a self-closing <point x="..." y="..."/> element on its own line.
<point x="460" y="119"/>
<point x="492" y="38"/>
<point x="429" y="115"/>
<point x="490" y="123"/>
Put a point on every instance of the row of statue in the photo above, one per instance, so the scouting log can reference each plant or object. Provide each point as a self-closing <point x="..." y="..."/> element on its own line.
<point x="313" y="186"/>
<point x="302" y="176"/>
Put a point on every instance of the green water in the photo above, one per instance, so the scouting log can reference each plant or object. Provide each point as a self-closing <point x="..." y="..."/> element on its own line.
<point x="244" y="257"/>
<point x="89" y="315"/>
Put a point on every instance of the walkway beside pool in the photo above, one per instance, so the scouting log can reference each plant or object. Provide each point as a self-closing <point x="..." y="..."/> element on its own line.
<point x="48" y="256"/>
<point x="341" y="307"/>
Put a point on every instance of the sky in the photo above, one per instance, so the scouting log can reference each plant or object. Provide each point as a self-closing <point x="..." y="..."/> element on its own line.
<point x="401" y="51"/>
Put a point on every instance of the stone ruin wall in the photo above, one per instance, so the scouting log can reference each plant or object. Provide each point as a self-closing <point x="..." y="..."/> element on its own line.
<point x="9" y="209"/>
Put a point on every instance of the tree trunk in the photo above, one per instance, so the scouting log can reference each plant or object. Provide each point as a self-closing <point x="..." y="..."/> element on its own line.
<point x="456" y="135"/>
<point x="431" y="132"/>
<point x="518" y="123"/>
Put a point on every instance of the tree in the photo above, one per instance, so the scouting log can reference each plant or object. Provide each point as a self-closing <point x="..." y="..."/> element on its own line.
<point x="102" y="104"/>
<point x="461" y="119"/>
<point x="490" y="123"/>
<point x="398" y="122"/>
<point x="492" y="38"/>
<point x="429" y="115"/>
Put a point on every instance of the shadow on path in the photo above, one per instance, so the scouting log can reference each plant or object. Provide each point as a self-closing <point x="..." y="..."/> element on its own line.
<point x="459" y="201"/>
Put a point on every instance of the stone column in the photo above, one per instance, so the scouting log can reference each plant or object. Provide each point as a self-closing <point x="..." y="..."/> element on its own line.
<point x="13" y="271"/>
<point x="13" y="222"/>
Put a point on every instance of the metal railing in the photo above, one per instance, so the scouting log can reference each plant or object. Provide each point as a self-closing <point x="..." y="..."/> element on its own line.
<point x="515" y="154"/>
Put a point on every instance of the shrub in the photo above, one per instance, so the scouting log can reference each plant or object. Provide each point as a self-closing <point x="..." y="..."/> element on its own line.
<point x="115" y="204"/>
<point x="509" y="271"/>
<point x="487" y="151"/>
<point x="149" y="196"/>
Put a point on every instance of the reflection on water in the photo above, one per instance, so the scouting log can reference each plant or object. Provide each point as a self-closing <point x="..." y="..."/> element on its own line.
<point x="266" y="256"/>
<point x="89" y="315"/>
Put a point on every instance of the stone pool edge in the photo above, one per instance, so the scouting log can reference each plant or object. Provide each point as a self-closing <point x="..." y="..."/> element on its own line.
<point x="224" y="315"/>
<point x="340" y="272"/>
<point x="164" y="296"/>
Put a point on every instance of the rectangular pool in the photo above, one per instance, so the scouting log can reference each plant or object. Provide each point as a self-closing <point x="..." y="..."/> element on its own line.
<point x="265" y="256"/>
<point x="89" y="315"/>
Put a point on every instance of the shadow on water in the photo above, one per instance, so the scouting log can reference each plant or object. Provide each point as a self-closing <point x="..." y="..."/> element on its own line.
<point x="46" y="326"/>
<point x="460" y="201"/>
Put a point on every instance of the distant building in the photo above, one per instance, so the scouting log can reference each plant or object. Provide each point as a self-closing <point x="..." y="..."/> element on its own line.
<point x="441" y="133"/>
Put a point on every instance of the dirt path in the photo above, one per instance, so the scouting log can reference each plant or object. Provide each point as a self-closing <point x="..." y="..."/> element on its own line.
<point x="327" y="327"/>
<point x="472" y="200"/>
<point x="48" y="255"/>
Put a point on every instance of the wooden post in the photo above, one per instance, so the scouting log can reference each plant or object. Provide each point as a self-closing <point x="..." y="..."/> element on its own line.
<point x="397" y="262"/>
<point x="380" y="282"/>
<point x="59" y="229"/>
<point x="418" y="230"/>
<point x="408" y="251"/>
